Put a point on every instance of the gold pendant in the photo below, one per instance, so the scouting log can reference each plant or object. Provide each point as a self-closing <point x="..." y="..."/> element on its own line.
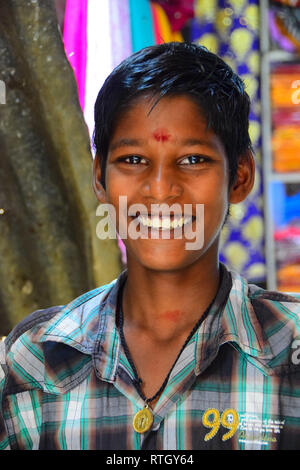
<point x="143" y="420"/>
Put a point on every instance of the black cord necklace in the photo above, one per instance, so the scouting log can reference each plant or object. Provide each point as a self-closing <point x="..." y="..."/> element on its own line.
<point x="143" y="419"/>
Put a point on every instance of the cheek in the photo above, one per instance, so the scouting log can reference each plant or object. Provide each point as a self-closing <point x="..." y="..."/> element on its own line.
<point x="216" y="200"/>
<point x="215" y="187"/>
<point x="219" y="203"/>
<point x="116" y="186"/>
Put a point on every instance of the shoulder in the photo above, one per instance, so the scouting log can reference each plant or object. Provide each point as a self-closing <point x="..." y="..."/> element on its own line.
<point x="278" y="315"/>
<point x="59" y="333"/>
<point x="280" y="305"/>
<point x="36" y="318"/>
<point x="270" y="320"/>
<point x="283" y="306"/>
<point x="74" y="311"/>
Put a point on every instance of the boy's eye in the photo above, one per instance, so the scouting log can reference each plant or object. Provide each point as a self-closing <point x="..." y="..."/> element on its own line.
<point x="193" y="159"/>
<point x="132" y="159"/>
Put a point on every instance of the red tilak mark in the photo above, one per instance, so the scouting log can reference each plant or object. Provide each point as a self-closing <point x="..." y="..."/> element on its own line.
<point x="161" y="135"/>
<point x="172" y="315"/>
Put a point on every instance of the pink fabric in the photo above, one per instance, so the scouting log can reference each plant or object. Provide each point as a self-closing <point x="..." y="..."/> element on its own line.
<point x="75" y="41"/>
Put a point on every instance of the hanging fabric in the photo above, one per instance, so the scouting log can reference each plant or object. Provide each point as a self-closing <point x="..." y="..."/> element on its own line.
<point x="98" y="35"/>
<point x="230" y="29"/>
<point x="162" y="28"/>
<point x="178" y="12"/>
<point x="75" y="42"/>
<point x="142" y="34"/>
<point x="121" y="42"/>
<point x="99" y="54"/>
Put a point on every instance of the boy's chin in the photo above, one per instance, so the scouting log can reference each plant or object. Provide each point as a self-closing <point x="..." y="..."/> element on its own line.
<point x="165" y="261"/>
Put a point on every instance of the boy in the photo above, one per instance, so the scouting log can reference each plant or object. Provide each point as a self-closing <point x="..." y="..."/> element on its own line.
<point x="178" y="352"/>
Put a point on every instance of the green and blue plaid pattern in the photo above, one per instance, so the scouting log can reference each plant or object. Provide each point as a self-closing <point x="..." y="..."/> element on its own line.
<point x="65" y="381"/>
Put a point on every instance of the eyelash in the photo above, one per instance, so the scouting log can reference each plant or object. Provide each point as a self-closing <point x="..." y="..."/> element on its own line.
<point x="204" y="159"/>
<point x="123" y="159"/>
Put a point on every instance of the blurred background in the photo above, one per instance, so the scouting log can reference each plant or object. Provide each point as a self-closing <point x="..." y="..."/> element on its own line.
<point x="54" y="57"/>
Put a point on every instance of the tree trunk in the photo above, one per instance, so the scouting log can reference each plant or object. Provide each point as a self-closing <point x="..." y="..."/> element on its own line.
<point x="48" y="246"/>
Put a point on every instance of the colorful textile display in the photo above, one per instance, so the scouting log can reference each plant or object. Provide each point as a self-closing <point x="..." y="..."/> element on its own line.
<point x="288" y="278"/>
<point x="286" y="149"/>
<point x="99" y="35"/>
<point x="178" y="12"/>
<point x="277" y="36"/>
<point x="291" y="3"/>
<point x="286" y="216"/>
<point x="285" y="99"/>
<point x="284" y="24"/>
<point x="99" y="54"/>
<point x="141" y="24"/>
<point x="75" y="41"/>
<point x="121" y="42"/>
<point x="162" y="28"/>
<point x="231" y="29"/>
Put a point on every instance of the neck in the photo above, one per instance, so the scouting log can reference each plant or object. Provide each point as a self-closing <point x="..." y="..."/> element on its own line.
<point x="166" y="305"/>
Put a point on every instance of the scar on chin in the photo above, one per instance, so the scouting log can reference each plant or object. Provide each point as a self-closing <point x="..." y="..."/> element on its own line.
<point x="161" y="135"/>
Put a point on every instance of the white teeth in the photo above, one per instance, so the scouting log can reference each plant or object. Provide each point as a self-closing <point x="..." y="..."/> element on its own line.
<point x="164" y="222"/>
<point x="155" y="222"/>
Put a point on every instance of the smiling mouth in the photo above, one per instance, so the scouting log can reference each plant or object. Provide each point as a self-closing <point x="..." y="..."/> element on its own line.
<point x="162" y="222"/>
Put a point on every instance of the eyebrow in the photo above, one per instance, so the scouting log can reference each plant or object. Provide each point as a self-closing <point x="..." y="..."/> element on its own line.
<point x="125" y="142"/>
<point x="194" y="142"/>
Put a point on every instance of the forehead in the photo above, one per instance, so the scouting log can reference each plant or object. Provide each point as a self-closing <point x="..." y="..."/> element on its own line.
<point x="160" y="116"/>
<point x="167" y="120"/>
<point x="152" y="106"/>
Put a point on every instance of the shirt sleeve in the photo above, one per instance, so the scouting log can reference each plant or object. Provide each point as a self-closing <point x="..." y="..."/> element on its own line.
<point x="4" y="440"/>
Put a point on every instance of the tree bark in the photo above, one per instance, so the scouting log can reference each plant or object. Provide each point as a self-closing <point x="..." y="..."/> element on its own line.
<point x="48" y="246"/>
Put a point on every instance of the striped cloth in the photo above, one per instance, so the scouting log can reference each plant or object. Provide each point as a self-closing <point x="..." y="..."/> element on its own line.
<point x="66" y="382"/>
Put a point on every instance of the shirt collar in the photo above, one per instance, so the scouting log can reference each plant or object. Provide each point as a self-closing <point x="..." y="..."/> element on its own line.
<point x="88" y="324"/>
<point x="231" y="319"/>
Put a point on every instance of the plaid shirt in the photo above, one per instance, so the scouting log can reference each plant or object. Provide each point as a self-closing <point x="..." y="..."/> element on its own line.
<point x="67" y="384"/>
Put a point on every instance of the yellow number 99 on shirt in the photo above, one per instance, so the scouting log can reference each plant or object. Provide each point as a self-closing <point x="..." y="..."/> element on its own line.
<point x="229" y="419"/>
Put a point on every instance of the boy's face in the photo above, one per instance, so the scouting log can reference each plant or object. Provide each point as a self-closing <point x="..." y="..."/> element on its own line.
<point x="168" y="157"/>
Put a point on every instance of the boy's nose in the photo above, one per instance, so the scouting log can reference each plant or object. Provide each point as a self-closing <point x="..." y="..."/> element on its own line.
<point x="161" y="184"/>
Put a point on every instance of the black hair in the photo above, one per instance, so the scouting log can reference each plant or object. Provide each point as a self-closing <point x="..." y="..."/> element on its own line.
<point x="177" y="68"/>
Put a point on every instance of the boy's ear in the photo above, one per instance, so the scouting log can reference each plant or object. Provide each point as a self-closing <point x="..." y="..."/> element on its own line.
<point x="98" y="188"/>
<point x="244" y="180"/>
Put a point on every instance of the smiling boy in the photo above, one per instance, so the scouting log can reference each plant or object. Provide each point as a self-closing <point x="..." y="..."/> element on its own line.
<point x="179" y="352"/>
